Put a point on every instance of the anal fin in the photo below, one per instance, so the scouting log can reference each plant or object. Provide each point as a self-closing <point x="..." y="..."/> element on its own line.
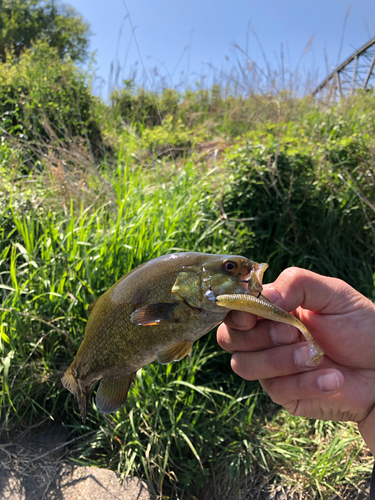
<point x="112" y="393"/>
<point x="175" y="353"/>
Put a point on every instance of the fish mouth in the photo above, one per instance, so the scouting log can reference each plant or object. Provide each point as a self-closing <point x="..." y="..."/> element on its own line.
<point x="254" y="279"/>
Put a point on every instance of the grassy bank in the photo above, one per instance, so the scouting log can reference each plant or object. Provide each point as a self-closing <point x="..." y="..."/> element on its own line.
<point x="277" y="179"/>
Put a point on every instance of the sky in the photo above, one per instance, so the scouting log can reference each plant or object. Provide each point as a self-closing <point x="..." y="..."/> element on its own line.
<point x="188" y="41"/>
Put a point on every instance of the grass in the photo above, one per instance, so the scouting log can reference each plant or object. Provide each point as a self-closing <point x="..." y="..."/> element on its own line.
<point x="74" y="224"/>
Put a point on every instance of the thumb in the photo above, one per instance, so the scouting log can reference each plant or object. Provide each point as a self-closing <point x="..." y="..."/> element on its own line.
<point x="297" y="287"/>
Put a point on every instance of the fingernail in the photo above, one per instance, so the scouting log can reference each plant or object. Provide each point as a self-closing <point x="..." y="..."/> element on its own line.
<point x="329" y="382"/>
<point x="281" y="333"/>
<point x="239" y="318"/>
<point x="272" y="295"/>
<point x="303" y="354"/>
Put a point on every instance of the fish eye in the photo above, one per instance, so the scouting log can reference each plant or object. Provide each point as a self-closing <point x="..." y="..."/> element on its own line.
<point x="230" y="265"/>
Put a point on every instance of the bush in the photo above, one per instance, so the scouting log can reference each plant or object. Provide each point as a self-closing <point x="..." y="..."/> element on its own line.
<point x="45" y="99"/>
<point x="297" y="193"/>
<point x="214" y="111"/>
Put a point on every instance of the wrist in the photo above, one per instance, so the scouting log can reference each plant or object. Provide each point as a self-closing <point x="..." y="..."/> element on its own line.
<point x="367" y="429"/>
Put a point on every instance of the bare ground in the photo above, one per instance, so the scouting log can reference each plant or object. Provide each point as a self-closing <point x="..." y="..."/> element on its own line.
<point x="34" y="466"/>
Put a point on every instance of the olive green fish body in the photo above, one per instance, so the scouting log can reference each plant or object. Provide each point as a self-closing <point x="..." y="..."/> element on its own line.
<point x="156" y="311"/>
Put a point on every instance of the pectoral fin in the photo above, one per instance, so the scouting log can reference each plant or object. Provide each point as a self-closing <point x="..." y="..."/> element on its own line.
<point x="153" y="314"/>
<point x="112" y="393"/>
<point x="175" y="353"/>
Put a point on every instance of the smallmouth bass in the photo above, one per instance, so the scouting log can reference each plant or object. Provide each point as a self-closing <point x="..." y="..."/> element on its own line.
<point x="157" y="311"/>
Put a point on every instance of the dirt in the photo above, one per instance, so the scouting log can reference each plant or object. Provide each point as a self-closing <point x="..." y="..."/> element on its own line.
<point x="34" y="466"/>
<point x="67" y="482"/>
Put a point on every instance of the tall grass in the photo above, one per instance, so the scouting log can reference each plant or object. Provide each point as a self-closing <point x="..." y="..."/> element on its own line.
<point x="57" y="262"/>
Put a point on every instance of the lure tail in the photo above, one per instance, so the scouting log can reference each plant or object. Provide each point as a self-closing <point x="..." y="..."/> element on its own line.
<point x="69" y="381"/>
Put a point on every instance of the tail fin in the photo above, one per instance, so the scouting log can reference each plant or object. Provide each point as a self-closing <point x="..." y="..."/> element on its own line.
<point x="69" y="382"/>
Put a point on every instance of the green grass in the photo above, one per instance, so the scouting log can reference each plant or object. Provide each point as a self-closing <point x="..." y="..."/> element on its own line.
<point x="72" y="227"/>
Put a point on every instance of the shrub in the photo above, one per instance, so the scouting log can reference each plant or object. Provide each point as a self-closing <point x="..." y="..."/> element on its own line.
<point x="44" y="99"/>
<point x="298" y="196"/>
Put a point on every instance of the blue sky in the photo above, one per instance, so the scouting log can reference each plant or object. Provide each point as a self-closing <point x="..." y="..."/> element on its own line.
<point x="186" y="39"/>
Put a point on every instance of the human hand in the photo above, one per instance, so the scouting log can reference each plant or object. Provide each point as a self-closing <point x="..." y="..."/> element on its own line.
<point x="341" y="320"/>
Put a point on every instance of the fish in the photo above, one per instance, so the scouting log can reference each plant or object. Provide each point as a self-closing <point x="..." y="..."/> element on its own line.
<point x="156" y="312"/>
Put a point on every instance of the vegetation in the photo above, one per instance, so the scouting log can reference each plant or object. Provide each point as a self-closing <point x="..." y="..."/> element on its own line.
<point x="22" y="23"/>
<point x="45" y="101"/>
<point x="279" y="179"/>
